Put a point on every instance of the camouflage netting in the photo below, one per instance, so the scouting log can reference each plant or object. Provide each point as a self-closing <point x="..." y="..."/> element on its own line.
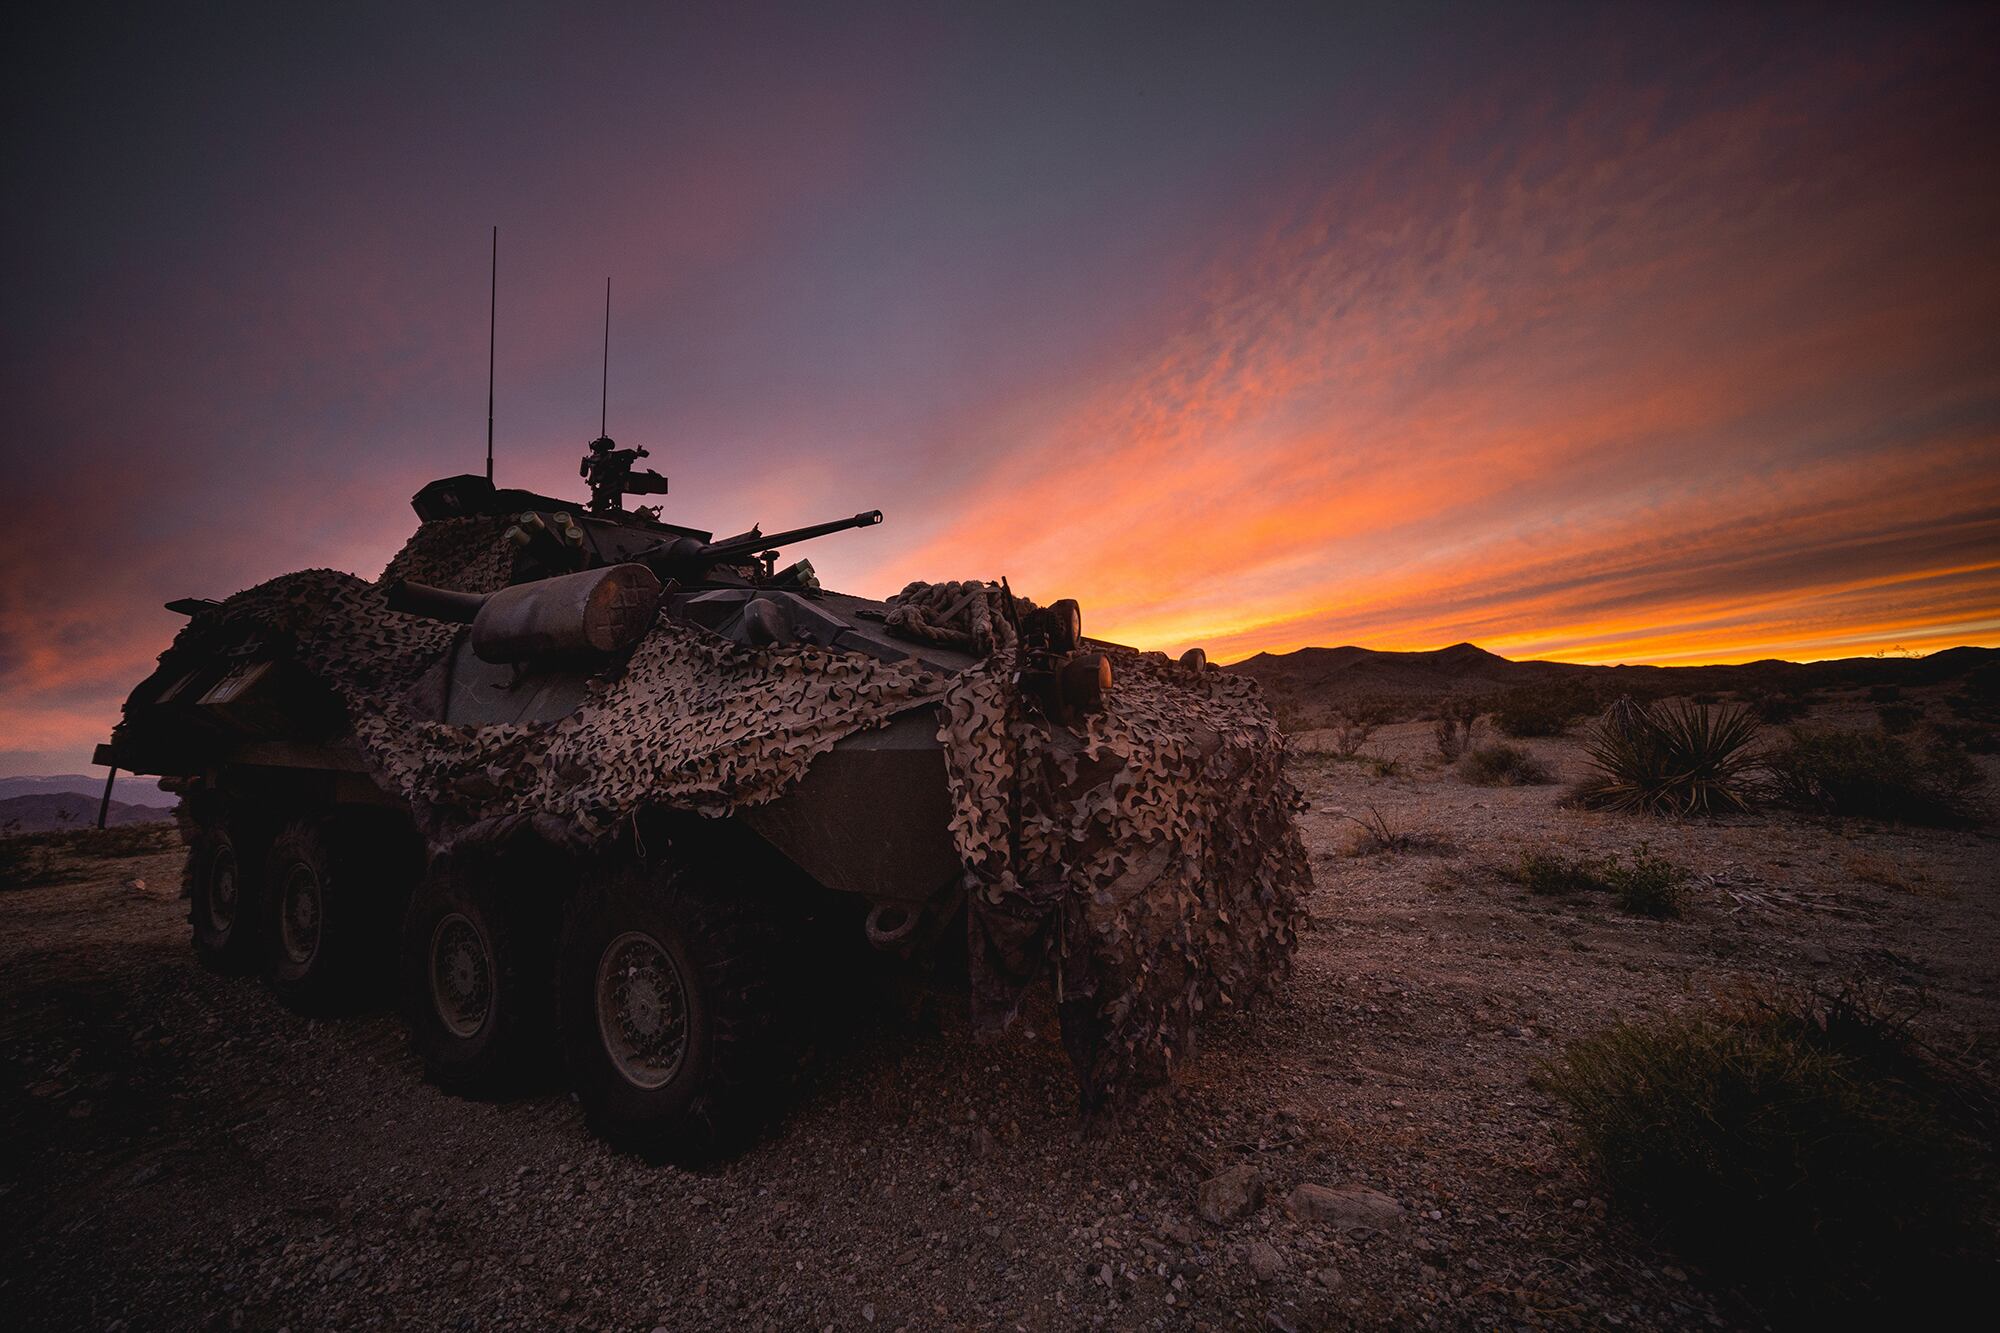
<point x="1146" y="860"/>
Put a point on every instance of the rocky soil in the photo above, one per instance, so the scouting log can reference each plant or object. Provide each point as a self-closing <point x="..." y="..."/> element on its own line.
<point x="1369" y="1151"/>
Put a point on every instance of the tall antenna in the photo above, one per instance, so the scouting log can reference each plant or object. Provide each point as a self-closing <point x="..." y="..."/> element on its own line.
<point x="492" y="312"/>
<point x="604" y="401"/>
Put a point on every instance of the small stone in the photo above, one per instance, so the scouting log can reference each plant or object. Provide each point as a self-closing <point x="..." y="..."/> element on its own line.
<point x="1328" y="1278"/>
<point x="1232" y="1194"/>
<point x="1264" y="1260"/>
<point x="868" y="1314"/>
<point x="419" y="1218"/>
<point x="1346" y="1207"/>
<point x="461" y="1267"/>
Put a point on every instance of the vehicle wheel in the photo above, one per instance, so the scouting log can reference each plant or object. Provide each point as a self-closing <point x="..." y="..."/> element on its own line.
<point x="478" y="975"/>
<point x="223" y="905"/>
<point x="666" y="1008"/>
<point x="319" y="955"/>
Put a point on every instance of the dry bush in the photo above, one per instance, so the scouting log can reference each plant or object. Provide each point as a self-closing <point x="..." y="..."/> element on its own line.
<point x="1645" y="885"/>
<point x="1671" y="757"/>
<point x="1552" y="874"/>
<point x="1543" y="710"/>
<point x="1898" y="719"/>
<point x="1503" y="765"/>
<point x="1457" y="717"/>
<point x="1352" y="725"/>
<point x="1806" y="1147"/>
<point x="1870" y="775"/>
<point x="1776" y="707"/>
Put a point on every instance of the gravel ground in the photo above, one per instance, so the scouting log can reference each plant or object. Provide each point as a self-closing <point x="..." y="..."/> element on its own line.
<point x="187" y="1154"/>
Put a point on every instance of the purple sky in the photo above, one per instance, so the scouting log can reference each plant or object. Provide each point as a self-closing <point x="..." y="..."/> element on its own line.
<point x="1638" y="333"/>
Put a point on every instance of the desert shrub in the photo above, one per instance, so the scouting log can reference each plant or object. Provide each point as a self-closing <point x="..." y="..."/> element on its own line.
<point x="1456" y="719"/>
<point x="1777" y="708"/>
<point x="1542" y="710"/>
<point x="1646" y="885"/>
<point x="1551" y="874"/>
<point x="1871" y="775"/>
<point x="1884" y="694"/>
<point x="1503" y="765"/>
<point x="1898" y="719"/>
<point x="1352" y="725"/>
<point x="1806" y="1147"/>
<point x="1983" y="683"/>
<point x="1670" y="758"/>
<point x="1971" y="737"/>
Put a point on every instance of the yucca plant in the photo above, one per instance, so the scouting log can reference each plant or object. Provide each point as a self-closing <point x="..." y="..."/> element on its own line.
<point x="1672" y="758"/>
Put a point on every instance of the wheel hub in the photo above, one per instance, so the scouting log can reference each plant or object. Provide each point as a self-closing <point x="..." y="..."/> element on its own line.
<point x="222" y="892"/>
<point x="642" y="1010"/>
<point x="461" y="975"/>
<point x="300" y="918"/>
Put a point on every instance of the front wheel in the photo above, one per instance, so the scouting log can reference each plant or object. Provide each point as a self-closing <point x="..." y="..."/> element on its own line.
<point x="667" y="1009"/>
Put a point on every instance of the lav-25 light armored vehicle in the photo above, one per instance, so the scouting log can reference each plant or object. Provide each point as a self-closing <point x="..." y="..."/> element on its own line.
<point x="575" y="776"/>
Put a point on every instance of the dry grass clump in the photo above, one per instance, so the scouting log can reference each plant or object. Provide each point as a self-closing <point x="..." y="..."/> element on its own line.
<point x="1888" y="874"/>
<point x="1672" y="758"/>
<point x="1503" y="765"/>
<point x="1807" y="1148"/>
<point x="1375" y="834"/>
<point x="1872" y="775"/>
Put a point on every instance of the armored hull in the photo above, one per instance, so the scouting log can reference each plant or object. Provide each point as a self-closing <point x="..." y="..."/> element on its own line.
<point x="584" y="780"/>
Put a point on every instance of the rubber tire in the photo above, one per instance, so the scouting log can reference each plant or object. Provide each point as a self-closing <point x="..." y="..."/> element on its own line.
<point x="234" y="950"/>
<point x="725" y="949"/>
<point x="346" y="960"/>
<point x="517" y="1039"/>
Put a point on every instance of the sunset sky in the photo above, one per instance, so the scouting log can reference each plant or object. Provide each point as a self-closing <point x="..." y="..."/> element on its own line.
<point x="1643" y="333"/>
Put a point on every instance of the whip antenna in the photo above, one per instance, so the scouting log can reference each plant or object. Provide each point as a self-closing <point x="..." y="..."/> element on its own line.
<point x="604" y="390"/>
<point x="492" y="311"/>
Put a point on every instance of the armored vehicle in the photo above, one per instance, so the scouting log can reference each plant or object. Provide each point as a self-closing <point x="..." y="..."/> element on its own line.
<point x="583" y="782"/>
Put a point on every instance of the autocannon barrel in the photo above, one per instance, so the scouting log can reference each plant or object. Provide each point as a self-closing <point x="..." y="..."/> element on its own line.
<point x="421" y="599"/>
<point x="737" y="547"/>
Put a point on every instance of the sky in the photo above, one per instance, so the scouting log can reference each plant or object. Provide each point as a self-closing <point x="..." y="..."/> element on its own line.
<point x="1640" y="333"/>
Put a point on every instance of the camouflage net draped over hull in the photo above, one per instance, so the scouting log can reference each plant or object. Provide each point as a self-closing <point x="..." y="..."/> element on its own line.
<point x="1148" y="860"/>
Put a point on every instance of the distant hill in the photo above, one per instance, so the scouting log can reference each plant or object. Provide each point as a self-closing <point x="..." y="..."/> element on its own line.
<point x="67" y="809"/>
<point x="1328" y="675"/>
<point x="140" y="791"/>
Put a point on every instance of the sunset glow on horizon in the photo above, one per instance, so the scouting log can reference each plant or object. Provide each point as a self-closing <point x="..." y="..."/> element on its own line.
<point x="1661" y="336"/>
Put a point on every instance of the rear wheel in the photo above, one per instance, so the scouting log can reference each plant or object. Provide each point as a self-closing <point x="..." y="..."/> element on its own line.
<point x="478" y="975"/>
<point x="223" y="905"/>
<point x="667" y="1010"/>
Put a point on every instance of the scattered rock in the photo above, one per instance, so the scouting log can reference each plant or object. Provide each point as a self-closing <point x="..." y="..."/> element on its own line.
<point x="1344" y="1206"/>
<point x="1233" y="1194"/>
<point x="1264" y="1260"/>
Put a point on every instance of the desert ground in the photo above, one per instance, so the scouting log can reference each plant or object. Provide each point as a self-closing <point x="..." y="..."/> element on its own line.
<point x="184" y="1153"/>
